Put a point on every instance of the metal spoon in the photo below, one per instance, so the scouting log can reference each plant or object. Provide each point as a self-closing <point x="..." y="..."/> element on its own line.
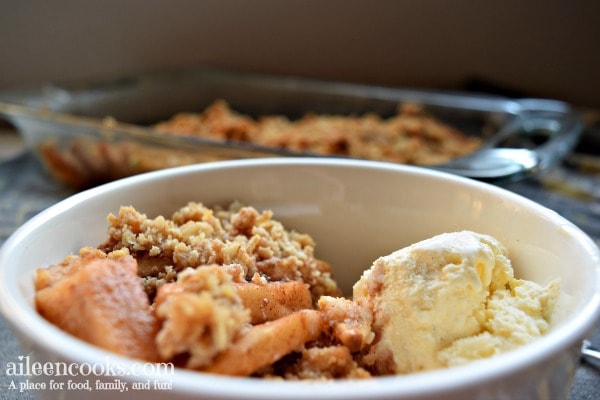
<point x="590" y="354"/>
<point x="493" y="163"/>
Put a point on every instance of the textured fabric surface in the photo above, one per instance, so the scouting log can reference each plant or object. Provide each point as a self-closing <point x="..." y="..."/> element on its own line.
<point x="25" y="190"/>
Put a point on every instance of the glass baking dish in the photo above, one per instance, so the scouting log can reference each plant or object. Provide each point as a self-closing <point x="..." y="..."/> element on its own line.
<point x="87" y="133"/>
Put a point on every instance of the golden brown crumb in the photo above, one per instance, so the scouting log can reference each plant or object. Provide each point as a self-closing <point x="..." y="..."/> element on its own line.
<point x="322" y="362"/>
<point x="201" y="315"/>
<point x="349" y="322"/>
<point x="333" y="362"/>
<point x="197" y="235"/>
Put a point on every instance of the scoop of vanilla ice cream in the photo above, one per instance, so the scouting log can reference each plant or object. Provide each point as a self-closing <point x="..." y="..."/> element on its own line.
<point x="434" y="294"/>
<point x="515" y="316"/>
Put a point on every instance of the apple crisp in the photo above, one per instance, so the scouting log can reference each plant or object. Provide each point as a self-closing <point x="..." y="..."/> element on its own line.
<point x="231" y="291"/>
<point x="225" y="290"/>
<point x="410" y="137"/>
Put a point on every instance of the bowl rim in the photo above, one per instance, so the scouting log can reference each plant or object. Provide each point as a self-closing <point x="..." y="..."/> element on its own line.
<point x="26" y="322"/>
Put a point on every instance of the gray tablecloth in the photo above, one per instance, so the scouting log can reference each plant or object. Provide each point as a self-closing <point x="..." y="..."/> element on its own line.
<point x="25" y="191"/>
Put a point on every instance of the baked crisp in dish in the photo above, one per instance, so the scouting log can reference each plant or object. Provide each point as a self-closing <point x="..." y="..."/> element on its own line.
<point x="409" y="137"/>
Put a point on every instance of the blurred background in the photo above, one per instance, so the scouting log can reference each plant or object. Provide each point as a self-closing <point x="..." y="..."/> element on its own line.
<point x="521" y="48"/>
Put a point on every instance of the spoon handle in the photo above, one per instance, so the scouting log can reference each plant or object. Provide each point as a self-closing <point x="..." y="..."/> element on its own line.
<point x="590" y="353"/>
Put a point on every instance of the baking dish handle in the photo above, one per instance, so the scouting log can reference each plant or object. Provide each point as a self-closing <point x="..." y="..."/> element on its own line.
<point x="553" y="120"/>
<point x="540" y="135"/>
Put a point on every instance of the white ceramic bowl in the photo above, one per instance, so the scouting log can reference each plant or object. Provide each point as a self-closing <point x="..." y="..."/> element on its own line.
<point x="356" y="212"/>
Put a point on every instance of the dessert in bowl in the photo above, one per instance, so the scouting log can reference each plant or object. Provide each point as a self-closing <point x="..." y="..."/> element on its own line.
<point x="356" y="212"/>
